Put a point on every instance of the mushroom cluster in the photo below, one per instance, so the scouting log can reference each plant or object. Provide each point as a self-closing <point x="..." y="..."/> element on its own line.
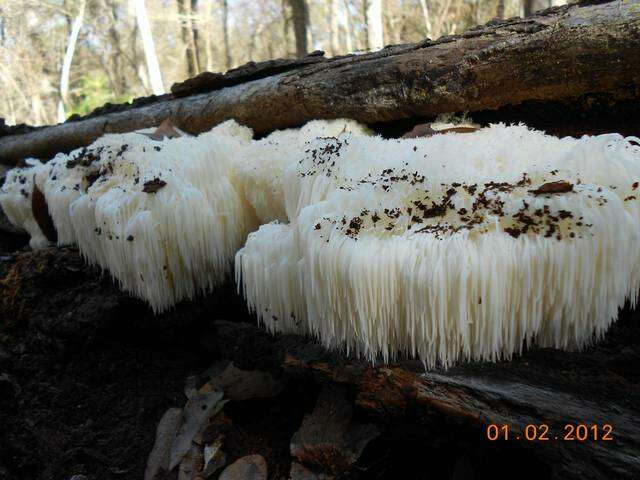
<point x="164" y="215"/>
<point x="449" y="247"/>
<point x="453" y="247"/>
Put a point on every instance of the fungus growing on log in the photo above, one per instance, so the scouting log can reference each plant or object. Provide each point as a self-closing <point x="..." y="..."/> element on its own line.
<point x="16" y="200"/>
<point x="262" y="169"/>
<point x="166" y="217"/>
<point x="465" y="245"/>
<point x="164" y="214"/>
<point x="452" y="247"/>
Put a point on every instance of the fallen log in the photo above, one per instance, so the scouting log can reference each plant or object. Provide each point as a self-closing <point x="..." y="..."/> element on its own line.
<point x="572" y="55"/>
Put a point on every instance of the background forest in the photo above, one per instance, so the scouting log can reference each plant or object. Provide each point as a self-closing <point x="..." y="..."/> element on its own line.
<point x="60" y="57"/>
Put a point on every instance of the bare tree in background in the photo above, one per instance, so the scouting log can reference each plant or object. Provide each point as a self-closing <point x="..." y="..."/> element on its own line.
<point x="347" y="27"/>
<point x="300" y="14"/>
<point x="225" y="33"/>
<point x="186" y="10"/>
<point x="373" y="22"/>
<point x="155" y="78"/>
<point x="500" y="9"/>
<point x="334" y="26"/>
<point x="195" y="34"/>
<point x="66" y="63"/>
<point x="425" y="14"/>
<point x="531" y="6"/>
<point x="115" y="63"/>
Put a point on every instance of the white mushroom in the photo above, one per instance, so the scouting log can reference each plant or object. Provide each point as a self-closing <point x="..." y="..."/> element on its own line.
<point x="16" y="200"/>
<point x="165" y="217"/>
<point x="262" y="167"/>
<point x="453" y="247"/>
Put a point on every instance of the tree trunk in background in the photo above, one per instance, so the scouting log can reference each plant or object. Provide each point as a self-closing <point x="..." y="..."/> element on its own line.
<point x="527" y="7"/>
<point x="118" y="58"/>
<point x="347" y="27"/>
<point x="198" y="50"/>
<point x="438" y="27"/>
<point x="286" y="29"/>
<point x="153" y="68"/>
<point x="500" y="9"/>
<point x="184" y="10"/>
<point x="300" y="13"/>
<point x="373" y="22"/>
<point x="425" y="14"/>
<point x="334" y="26"/>
<point x="208" y="48"/>
<point x="66" y="63"/>
<point x="225" y="34"/>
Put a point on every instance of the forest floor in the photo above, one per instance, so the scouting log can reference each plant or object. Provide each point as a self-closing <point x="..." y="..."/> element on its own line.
<point x="87" y="372"/>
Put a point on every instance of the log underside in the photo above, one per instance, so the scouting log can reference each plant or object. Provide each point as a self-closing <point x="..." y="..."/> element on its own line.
<point x="577" y="57"/>
<point x="74" y="349"/>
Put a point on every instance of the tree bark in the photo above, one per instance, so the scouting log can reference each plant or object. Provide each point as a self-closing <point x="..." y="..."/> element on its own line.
<point x="565" y="55"/>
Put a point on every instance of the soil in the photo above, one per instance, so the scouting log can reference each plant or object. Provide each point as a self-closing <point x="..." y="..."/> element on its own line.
<point x="86" y="372"/>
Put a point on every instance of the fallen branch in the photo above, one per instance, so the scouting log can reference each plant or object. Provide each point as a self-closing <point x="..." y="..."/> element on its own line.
<point x="559" y="54"/>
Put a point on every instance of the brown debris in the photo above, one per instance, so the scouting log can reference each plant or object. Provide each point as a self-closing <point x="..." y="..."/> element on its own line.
<point x="160" y="456"/>
<point x="560" y="186"/>
<point x="197" y="412"/>
<point x="152" y="186"/>
<point x="239" y="385"/>
<point x="329" y="439"/>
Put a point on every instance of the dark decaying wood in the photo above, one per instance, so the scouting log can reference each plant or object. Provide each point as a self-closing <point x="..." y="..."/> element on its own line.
<point x="76" y="348"/>
<point x="564" y="54"/>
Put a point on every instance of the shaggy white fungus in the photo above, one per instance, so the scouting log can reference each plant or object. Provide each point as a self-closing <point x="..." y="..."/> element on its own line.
<point x="16" y="199"/>
<point x="448" y="248"/>
<point x="452" y="247"/>
<point x="165" y="217"/>
<point x="261" y="169"/>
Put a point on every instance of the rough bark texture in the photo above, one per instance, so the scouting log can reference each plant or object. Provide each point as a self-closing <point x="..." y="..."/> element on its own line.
<point x="569" y="55"/>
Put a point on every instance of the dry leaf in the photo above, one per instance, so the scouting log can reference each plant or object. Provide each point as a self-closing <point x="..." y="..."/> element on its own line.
<point x="196" y="416"/>
<point x="165" y="130"/>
